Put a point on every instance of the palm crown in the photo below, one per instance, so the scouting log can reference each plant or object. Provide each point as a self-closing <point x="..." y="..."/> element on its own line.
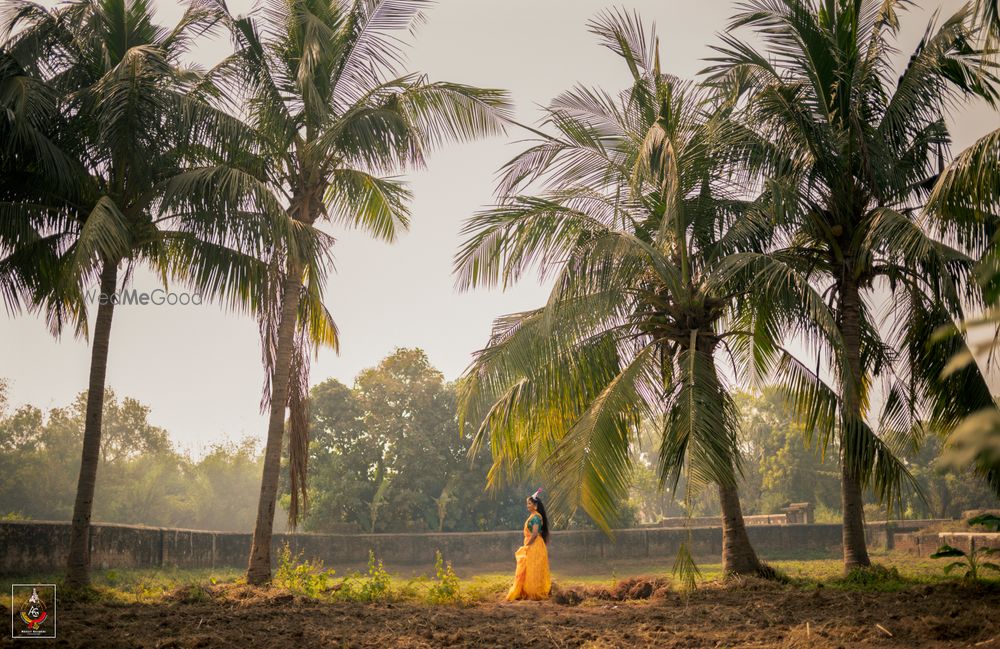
<point x="116" y="129"/>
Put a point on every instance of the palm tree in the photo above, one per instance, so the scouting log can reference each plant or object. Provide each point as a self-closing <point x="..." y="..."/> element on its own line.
<point x="852" y="149"/>
<point x="660" y="268"/>
<point x="117" y="160"/>
<point x="320" y="86"/>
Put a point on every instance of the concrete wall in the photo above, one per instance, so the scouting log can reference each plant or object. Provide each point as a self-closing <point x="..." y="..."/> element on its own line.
<point x="923" y="544"/>
<point x="713" y="521"/>
<point x="885" y="534"/>
<point x="28" y="547"/>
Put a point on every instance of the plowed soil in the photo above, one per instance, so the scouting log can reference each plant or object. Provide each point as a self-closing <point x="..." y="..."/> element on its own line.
<point x="637" y="614"/>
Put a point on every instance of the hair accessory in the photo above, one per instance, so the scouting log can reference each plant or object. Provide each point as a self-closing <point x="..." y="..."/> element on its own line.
<point x="535" y="495"/>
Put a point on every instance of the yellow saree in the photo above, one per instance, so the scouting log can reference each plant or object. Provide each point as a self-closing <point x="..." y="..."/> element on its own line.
<point x="532" y="579"/>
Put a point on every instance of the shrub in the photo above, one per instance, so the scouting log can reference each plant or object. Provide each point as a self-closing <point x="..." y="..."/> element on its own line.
<point x="446" y="588"/>
<point x="874" y="577"/>
<point x="304" y="577"/>
<point x="378" y="585"/>
<point x="374" y="586"/>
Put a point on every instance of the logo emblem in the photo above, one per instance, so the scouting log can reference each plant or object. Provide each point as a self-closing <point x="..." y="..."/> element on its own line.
<point x="33" y="610"/>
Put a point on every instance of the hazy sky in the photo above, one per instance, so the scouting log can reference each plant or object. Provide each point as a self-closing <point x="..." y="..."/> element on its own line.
<point x="199" y="367"/>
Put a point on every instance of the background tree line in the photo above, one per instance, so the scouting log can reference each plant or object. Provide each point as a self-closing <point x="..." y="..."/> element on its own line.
<point x="145" y="478"/>
<point x="782" y="468"/>
<point x="386" y="456"/>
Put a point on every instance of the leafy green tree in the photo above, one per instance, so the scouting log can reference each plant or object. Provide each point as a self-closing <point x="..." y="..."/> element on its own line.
<point x="782" y="467"/>
<point x="387" y="455"/>
<point x="655" y="250"/>
<point x="341" y="456"/>
<point x="851" y="148"/>
<point x="320" y="85"/>
<point x="26" y="488"/>
<point x="948" y="491"/>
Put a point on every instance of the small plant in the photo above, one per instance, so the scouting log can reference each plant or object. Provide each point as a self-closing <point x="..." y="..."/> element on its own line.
<point x="972" y="560"/>
<point x="149" y="589"/>
<point x="377" y="586"/>
<point x="307" y="578"/>
<point x="446" y="588"/>
<point x="193" y="594"/>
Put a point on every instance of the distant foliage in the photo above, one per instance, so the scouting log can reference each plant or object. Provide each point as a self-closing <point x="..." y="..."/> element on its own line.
<point x="398" y="422"/>
<point x="144" y="478"/>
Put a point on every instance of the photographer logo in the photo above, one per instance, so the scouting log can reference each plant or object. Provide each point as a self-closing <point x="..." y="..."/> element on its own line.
<point x="33" y="611"/>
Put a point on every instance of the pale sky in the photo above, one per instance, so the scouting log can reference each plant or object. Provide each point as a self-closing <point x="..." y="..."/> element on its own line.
<point x="199" y="368"/>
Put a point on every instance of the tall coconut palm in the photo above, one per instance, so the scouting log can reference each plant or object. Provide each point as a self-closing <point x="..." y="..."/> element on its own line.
<point x="118" y="160"/>
<point x="660" y="267"/>
<point x="320" y="85"/>
<point x="853" y="147"/>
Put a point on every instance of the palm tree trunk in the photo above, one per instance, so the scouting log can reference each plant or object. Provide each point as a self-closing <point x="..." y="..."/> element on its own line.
<point x="738" y="556"/>
<point x="855" y="545"/>
<point x="78" y="561"/>
<point x="852" y="502"/>
<point x="259" y="568"/>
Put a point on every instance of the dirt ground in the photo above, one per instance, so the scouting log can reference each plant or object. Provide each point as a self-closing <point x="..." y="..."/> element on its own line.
<point x="754" y="614"/>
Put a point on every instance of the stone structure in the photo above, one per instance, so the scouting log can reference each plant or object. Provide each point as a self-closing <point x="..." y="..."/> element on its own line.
<point x="923" y="544"/>
<point x="799" y="513"/>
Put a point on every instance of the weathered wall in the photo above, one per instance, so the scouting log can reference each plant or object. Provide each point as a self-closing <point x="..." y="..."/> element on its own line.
<point x="886" y="534"/>
<point x="713" y="521"/>
<point x="923" y="544"/>
<point x="38" y="547"/>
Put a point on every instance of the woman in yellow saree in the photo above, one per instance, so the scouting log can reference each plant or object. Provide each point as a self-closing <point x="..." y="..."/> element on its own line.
<point x="532" y="579"/>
